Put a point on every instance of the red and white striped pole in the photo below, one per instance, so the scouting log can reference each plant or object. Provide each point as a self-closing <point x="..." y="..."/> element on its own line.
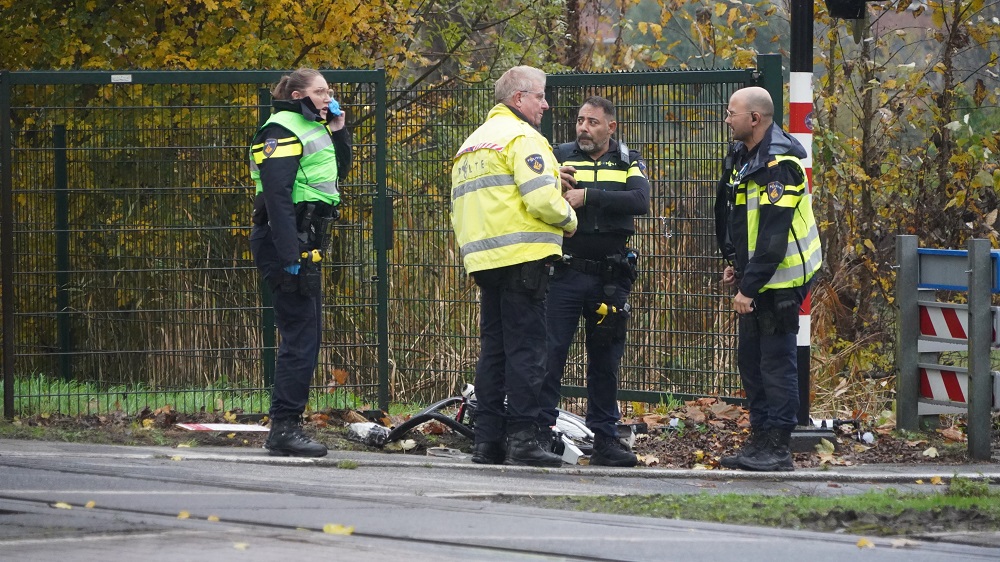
<point x="800" y="121"/>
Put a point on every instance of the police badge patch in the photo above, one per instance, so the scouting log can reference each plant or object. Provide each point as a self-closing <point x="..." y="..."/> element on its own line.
<point x="536" y="163"/>
<point x="270" y="145"/>
<point x="775" y="190"/>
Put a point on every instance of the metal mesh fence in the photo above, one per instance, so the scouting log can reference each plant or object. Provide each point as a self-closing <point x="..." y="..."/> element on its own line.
<point x="131" y="267"/>
<point x="681" y="338"/>
<point x="130" y="273"/>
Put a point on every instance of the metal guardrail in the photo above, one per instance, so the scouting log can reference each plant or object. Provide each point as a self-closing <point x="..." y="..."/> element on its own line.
<point x="924" y="385"/>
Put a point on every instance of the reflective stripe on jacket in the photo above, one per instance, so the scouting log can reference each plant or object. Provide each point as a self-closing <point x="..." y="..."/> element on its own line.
<point x="316" y="179"/>
<point x="614" y="172"/>
<point x="506" y="203"/>
<point x="802" y="254"/>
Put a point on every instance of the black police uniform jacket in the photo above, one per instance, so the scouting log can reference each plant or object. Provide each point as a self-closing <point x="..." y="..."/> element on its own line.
<point x="617" y="191"/>
<point x="274" y="205"/>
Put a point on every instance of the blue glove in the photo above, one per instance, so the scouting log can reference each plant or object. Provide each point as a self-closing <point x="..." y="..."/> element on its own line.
<point x="334" y="108"/>
<point x="293" y="269"/>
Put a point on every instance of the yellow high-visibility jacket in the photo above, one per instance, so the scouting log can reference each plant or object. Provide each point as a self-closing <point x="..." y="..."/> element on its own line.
<point x="506" y="203"/>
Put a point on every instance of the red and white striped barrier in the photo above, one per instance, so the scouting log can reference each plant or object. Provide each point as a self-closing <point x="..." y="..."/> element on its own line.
<point x="950" y="384"/>
<point x="950" y="322"/>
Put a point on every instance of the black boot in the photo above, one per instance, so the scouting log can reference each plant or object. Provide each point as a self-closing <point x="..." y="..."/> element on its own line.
<point x="546" y="439"/>
<point x="488" y="453"/>
<point x="286" y="439"/>
<point x="752" y="444"/>
<point x="774" y="455"/>
<point x="523" y="449"/>
<point x="610" y="451"/>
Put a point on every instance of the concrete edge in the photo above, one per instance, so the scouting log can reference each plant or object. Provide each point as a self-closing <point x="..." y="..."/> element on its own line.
<point x="344" y="460"/>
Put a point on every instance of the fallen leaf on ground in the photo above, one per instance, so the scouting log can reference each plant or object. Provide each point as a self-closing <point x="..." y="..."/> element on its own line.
<point x="183" y="515"/>
<point x="648" y="460"/>
<point x="62" y="505"/>
<point x="726" y="411"/>
<point x="865" y="543"/>
<point x="90" y="504"/>
<point x="952" y="434"/>
<point x="433" y="428"/>
<point x="936" y="480"/>
<point x="334" y="529"/>
<point x="931" y="452"/>
<point x="695" y="415"/>
<point x="350" y="416"/>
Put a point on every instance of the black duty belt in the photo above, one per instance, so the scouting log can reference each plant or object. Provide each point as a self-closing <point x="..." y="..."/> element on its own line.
<point x="592" y="267"/>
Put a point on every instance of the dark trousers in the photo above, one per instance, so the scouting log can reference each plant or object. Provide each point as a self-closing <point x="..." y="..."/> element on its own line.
<point x="767" y="355"/>
<point x="512" y="357"/>
<point x="573" y="294"/>
<point x="298" y="319"/>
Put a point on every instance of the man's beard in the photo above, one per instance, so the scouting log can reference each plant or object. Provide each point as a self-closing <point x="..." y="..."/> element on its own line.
<point x="587" y="145"/>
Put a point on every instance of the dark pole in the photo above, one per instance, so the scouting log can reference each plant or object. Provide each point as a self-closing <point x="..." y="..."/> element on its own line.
<point x="6" y="245"/>
<point x="800" y="109"/>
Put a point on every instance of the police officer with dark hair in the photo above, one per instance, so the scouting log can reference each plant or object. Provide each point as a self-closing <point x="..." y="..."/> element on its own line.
<point x="296" y="160"/>
<point x="605" y="182"/>
<point x="768" y="235"/>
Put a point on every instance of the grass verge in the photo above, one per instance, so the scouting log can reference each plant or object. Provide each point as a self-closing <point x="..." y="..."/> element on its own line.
<point x="965" y="505"/>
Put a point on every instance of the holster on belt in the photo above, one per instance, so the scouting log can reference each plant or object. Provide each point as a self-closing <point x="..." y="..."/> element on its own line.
<point x="532" y="277"/>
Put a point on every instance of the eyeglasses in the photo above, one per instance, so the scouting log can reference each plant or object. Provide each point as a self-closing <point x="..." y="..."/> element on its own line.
<point x="539" y="95"/>
<point x="322" y="92"/>
<point x="730" y="114"/>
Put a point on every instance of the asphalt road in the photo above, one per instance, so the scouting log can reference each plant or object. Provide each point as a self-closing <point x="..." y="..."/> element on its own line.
<point x="243" y="505"/>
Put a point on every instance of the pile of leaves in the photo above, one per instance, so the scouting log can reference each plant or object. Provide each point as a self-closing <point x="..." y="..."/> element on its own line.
<point x="697" y="434"/>
<point x="694" y="435"/>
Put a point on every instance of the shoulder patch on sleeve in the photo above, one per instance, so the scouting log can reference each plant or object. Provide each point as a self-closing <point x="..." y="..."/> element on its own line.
<point x="772" y="163"/>
<point x="642" y="165"/>
<point x="270" y="145"/>
<point x="536" y="163"/>
<point x="775" y="190"/>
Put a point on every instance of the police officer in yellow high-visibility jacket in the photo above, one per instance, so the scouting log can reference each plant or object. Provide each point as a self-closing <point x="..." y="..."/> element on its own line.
<point x="509" y="219"/>
<point x="296" y="160"/>
<point x="768" y="234"/>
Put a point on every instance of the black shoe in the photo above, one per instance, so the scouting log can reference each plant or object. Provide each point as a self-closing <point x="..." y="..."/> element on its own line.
<point x="286" y="439"/>
<point x="523" y="449"/>
<point x="752" y="444"/>
<point x="546" y="438"/>
<point x="773" y="456"/>
<point x="610" y="451"/>
<point x="488" y="453"/>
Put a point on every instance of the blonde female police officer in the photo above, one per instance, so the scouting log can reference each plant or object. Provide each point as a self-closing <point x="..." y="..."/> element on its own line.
<point x="296" y="160"/>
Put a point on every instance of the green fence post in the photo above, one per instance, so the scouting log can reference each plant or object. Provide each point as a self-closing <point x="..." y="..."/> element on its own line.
<point x="6" y="246"/>
<point x="908" y="331"/>
<point x="383" y="242"/>
<point x="65" y="329"/>
<point x="771" y="78"/>
<point x="980" y="398"/>
<point x="267" y="313"/>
